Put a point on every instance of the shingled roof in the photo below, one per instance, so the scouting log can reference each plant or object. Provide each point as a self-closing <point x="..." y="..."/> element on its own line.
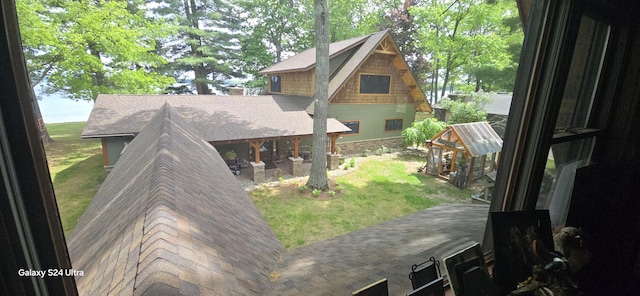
<point x="215" y="118"/>
<point x="362" y="48"/>
<point x="171" y="219"/>
<point x="307" y="59"/>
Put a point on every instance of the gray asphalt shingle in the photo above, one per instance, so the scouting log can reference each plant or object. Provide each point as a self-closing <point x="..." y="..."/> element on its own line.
<point x="215" y="118"/>
<point x="171" y="219"/>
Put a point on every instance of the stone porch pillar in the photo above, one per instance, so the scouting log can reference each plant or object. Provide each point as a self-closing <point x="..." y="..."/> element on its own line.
<point x="333" y="161"/>
<point x="258" y="175"/>
<point x="296" y="166"/>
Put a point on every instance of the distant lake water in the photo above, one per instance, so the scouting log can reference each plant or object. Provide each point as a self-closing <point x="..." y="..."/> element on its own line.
<point x="55" y="109"/>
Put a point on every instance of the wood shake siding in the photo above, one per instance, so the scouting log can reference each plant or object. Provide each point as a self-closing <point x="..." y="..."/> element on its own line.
<point x="377" y="64"/>
<point x="297" y="83"/>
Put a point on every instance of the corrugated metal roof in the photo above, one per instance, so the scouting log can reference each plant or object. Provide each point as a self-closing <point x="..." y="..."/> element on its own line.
<point x="478" y="138"/>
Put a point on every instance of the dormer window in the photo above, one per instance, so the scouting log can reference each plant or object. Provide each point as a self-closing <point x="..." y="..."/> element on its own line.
<point x="275" y="83"/>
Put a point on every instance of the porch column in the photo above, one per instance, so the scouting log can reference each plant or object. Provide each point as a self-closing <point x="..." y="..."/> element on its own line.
<point x="256" y="150"/>
<point x="296" y="166"/>
<point x="333" y="161"/>
<point x="258" y="174"/>
<point x="333" y="138"/>
<point x="453" y="161"/>
<point x="295" y="162"/>
<point x="471" y="170"/>
<point x="296" y="145"/>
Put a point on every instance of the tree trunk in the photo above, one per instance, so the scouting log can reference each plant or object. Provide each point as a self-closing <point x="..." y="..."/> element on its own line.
<point x="435" y="77"/>
<point x="450" y="57"/>
<point x="447" y="72"/>
<point x="318" y="178"/>
<point x="199" y="71"/>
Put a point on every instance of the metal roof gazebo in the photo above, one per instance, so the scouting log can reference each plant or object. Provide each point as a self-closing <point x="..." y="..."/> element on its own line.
<point x="463" y="152"/>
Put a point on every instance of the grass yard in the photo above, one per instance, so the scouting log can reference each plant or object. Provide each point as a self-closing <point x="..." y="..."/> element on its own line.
<point x="379" y="189"/>
<point x="76" y="169"/>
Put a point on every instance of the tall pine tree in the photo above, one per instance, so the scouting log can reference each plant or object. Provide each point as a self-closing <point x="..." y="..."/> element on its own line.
<point x="203" y="49"/>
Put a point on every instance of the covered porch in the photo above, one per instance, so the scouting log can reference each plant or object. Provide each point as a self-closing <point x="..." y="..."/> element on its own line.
<point x="263" y="159"/>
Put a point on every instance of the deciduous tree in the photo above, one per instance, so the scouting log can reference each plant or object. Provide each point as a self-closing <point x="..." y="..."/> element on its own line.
<point x="468" y="41"/>
<point x="463" y="111"/>
<point x="85" y="48"/>
<point x="81" y="49"/>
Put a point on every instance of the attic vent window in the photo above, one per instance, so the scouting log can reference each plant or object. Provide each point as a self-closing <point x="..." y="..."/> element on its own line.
<point x="275" y="83"/>
<point x="374" y="84"/>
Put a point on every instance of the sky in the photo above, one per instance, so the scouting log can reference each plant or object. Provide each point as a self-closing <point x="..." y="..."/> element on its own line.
<point x="55" y="108"/>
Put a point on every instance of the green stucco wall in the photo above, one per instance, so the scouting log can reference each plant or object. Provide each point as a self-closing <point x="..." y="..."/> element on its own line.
<point x="114" y="148"/>
<point x="372" y="118"/>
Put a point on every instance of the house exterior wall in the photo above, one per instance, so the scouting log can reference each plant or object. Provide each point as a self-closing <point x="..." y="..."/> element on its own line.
<point x="296" y="83"/>
<point x="371" y="110"/>
<point x="372" y="119"/>
<point x="114" y="147"/>
<point x="377" y="64"/>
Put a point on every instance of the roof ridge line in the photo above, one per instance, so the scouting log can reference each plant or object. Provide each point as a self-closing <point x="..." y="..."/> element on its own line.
<point x="160" y="174"/>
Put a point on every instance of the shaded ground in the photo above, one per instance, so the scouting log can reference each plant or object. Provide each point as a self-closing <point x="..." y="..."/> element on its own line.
<point x="343" y="264"/>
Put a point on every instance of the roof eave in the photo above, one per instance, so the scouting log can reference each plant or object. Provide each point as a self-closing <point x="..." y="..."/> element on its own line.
<point x="313" y="65"/>
<point x="107" y="135"/>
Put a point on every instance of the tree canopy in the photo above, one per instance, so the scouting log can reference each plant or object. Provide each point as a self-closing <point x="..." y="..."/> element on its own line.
<point x="470" y="42"/>
<point x="145" y="46"/>
<point x="203" y="48"/>
<point x="85" y="48"/>
<point x="463" y="111"/>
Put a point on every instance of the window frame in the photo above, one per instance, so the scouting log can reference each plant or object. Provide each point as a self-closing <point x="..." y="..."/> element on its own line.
<point x="373" y="93"/>
<point x="544" y="68"/>
<point x="32" y="226"/>
<point x="271" y="82"/>
<point x="394" y="119"/>
<point x="351" y="133"/>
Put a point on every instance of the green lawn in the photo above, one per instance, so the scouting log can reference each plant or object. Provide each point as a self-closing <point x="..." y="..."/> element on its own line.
<point x="76" y="169"/>
<point x="378" y="190"/>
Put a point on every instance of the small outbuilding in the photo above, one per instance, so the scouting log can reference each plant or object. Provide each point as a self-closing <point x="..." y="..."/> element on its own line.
<point x="463" y="152"/>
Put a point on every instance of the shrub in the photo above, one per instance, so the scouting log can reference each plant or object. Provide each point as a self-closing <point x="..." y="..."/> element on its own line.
<point x="302" y="188"/>
<point x="379" y="151"/>
<point x="316" y="192"/>
<point x="366" y="152"/>
<point x="352" y="162"/>
<point x="421" y="131"/>
<point x="331" y="193"/>
<point x="339" y="188"/>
